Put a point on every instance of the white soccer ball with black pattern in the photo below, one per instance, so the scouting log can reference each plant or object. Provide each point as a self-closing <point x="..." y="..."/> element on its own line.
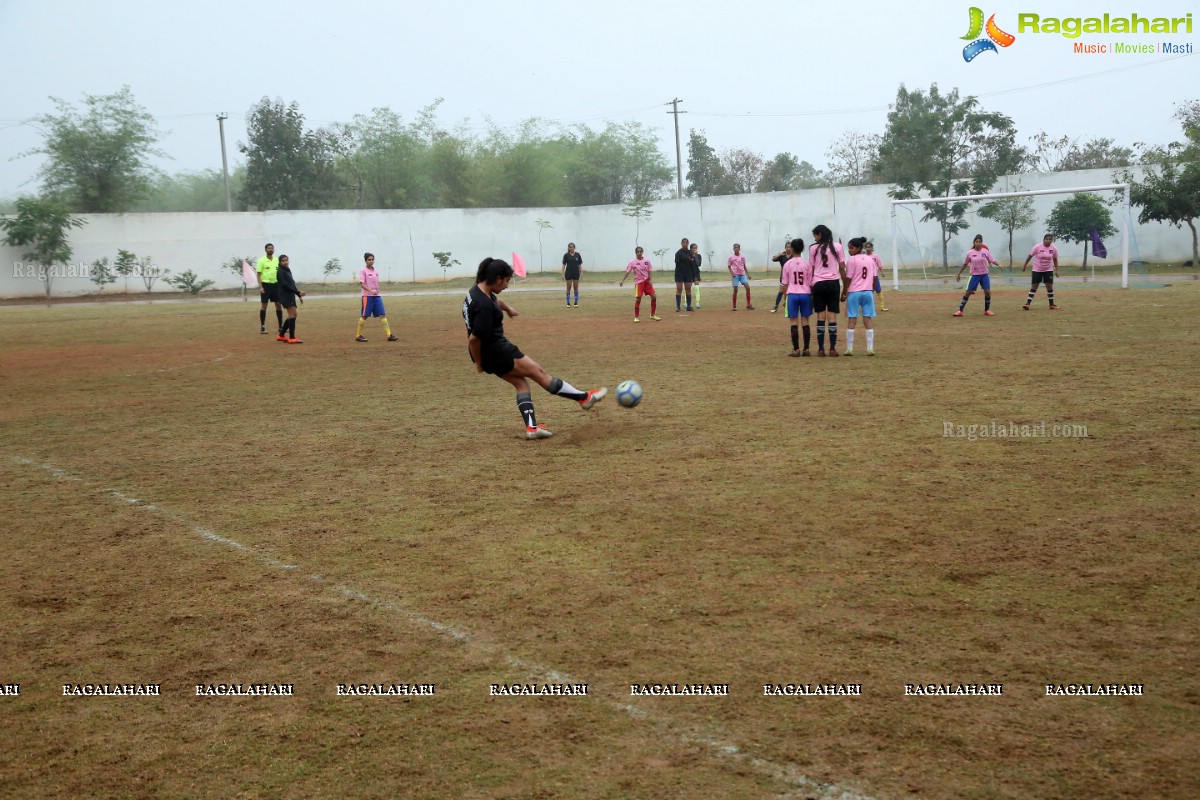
<point x="629" y="393"/>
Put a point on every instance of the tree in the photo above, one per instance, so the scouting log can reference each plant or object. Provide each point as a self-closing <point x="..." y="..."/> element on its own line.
<point x="125" y="265"/>
<point x="381" y="161"/>
<point x="149" y="272"/>
<point x="203" y="190"/>
<point x="98" y="159"/>
<point x="1170" y="187"/>
<point x="1047" y="154"/>
<point x="101" y="274"/>
<point x="660" y="253"/>
<point x="332" y="267"/>
<point x="287" y="166"/>
<point x="615" y="165"/>
<point x="850" y="157"/>
<point x="1073" y="220"/>
<point x="188" y="281"/>
<point x="1013" y="214"/>
<point x="705" y="174"/>
<point x="640" y="209"/>
<point x="445" y="262"/>
<point x="946" y="147"/>
<point x="41" y="226"/>
<point x="743" y="169"/>
<point x="785" y="173"/>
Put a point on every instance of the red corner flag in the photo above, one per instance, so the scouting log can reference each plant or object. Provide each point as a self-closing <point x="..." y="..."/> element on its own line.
<point x="249" y="274"/>
<point x="518" y="266"/>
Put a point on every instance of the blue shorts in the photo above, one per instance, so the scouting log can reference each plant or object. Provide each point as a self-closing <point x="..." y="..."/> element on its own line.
<point x="372" y="306"/>
<point x="742" y="279"/>
<point x="878" y="285"/>
<point x="980" y="280"/>
<point x="860" y="301"/>
<point x="799" y="305"/>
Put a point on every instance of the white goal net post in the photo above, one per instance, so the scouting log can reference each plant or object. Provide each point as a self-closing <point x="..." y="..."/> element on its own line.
<point x="1126" y="219"/>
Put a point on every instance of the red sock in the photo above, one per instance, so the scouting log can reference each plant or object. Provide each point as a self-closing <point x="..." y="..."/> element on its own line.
<point x="653" y="304"/>
<point x="637" y="307"/>
<point x="747" y="295"/>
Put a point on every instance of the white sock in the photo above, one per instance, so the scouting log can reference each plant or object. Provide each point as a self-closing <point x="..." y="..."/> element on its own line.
<point x="850" y="339"/>
<point x="871" y="339"/>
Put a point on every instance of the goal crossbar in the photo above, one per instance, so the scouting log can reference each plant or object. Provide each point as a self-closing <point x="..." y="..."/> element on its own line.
<point x="1128" y="220"/>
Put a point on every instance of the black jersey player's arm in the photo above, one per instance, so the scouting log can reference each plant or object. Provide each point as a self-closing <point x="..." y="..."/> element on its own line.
<point x="475" y="347"/>
<point x="506" y="308"/>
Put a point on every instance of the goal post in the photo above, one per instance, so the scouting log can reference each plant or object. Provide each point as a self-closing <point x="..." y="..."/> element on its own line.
<point x="1126" y="219"/>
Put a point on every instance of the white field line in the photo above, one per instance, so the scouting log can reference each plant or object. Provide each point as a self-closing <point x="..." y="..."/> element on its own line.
<point x="717" y="746"/>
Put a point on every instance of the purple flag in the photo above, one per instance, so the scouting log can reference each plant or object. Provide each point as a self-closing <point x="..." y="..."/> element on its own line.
<point x="1098" y="248"/>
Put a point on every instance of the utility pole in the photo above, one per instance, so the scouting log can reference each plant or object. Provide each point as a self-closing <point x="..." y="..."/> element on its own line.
<point x="224" y="160"/>
<point x="674" y="104"/>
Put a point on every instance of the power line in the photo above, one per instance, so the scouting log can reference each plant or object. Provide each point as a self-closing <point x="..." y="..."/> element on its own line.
<point x="998" y="92"/>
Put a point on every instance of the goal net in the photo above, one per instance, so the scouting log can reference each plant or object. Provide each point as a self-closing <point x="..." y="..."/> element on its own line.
<point x="912" y="244"/>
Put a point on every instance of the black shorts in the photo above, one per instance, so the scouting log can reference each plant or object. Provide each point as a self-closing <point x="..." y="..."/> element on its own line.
<point x="499" y="357"/>
<point x="285" y="299"/>
<point x="1043" y="277"/>
<point x="269" y="293"/>
<point x="571" y="274"/>
<point x="827" y="296"/>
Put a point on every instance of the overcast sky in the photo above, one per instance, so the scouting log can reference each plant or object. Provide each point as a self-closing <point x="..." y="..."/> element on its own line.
<point x="768" y="75"/>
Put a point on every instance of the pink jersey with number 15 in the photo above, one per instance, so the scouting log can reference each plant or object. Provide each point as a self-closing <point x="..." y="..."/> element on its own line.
<point x="862" y="271"/>
<point x="797" y="276"/>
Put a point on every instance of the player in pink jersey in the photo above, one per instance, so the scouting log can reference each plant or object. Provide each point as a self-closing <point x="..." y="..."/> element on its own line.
<point x="858" y="295"/>
<point x="978" y="258"/>
<point x="828" y="264"/>
<point x="737" y="271"/>
<point x="870" y="250"/>
<point x="641" y="268"/>
<point x="372" y="301"/>
<point x="1045" y="269"/>
<point x="795" y="278"/>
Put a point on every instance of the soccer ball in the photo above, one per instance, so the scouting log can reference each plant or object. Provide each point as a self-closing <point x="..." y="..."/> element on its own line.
<point x="629" y="393"/>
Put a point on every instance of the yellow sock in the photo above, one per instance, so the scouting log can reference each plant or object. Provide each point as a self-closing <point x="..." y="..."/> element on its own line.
<point x="360" y="324"/>
<point x="386" y="328"/>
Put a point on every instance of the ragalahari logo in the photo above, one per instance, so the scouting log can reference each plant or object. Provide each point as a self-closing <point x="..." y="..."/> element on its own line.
<point x="995" y="36"/>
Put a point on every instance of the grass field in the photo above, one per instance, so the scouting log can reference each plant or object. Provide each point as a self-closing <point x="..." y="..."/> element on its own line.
<point x="188" y="502"/>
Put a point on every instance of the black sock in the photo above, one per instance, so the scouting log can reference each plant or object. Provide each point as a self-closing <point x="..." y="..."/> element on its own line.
<point x="563" y="389"/>
<point x="987" y="303"/>
<point x="262" y="316"/>
<point x="1032" y="292"/>
<point x="1050" y="296"/>
<point x="832" y="328"/>
<point x="963" y="304"/>
<point x="525" y="406"/>
<point x="291" y="326"/>
<point x="279" y="316"/>
<point x="807" y="335"/>
<point x="778" y="298"/>
<point x="795" y="337"/>
<point x="820" y="334"/>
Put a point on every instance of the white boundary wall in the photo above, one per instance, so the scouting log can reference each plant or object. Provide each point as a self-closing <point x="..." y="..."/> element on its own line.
<point x="404" y="241"/>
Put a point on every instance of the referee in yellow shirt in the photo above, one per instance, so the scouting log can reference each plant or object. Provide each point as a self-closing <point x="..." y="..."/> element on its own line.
<point x="268" y="290"/>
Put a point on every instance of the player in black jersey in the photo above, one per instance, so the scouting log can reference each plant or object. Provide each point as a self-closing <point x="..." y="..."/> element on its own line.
<point x="483" y="313"/>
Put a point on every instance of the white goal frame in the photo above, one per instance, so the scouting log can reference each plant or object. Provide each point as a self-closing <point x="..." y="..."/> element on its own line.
<point x="1128" y="220"/>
